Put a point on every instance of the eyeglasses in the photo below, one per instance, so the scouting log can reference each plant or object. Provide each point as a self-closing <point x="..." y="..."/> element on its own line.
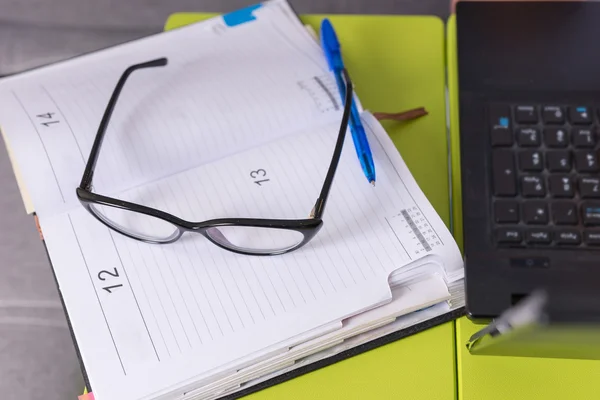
<point x="241" y="235"/>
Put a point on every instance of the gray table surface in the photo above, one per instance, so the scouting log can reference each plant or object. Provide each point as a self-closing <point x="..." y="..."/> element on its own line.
<point x="37" y="357"/>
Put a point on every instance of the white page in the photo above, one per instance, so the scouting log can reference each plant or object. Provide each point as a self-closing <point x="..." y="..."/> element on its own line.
<point x="225" y="89"/>
<point x="189" y="309"/>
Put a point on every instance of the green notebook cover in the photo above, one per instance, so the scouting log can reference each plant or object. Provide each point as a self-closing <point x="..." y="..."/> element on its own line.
<point x="396" y="63"/>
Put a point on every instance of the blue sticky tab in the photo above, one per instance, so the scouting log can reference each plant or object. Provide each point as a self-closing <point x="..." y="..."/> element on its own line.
<point x="503" y="121"/>
<point x="241" y="16"/>
<point x="581" y="109"/>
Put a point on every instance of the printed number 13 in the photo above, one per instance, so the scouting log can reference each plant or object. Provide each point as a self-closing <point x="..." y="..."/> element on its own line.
<point x="259" y="173"/>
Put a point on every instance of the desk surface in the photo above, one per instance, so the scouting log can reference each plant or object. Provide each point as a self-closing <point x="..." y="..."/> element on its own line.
<point x="501" y="378"/>
<point x="396" y="63"/>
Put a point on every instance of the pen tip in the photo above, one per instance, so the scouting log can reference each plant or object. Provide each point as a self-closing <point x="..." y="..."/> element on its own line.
<point x="373" y="183"/>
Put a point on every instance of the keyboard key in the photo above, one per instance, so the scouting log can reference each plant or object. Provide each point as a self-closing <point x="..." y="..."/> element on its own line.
<point x="500" y="115"/>
<point x="526" y="114"/>
<point x="508" y="235"/>
<point x="583" y="137"/>
<point x="559" y="161"/>
<point x="502" y="138"/>
<point x="503" y="166"/>
<point x="531" y="160"/>
<point x="538" y="236"/>
<point x="506" y="211"/>
<point x="553" y="115"/>
<point x="590" y="211"/>
<point x="589" y="187"/>
<point x="556" y="137"/>
<point x="502" y="133"/>
<point x="586" y="161"/>
<point x="567" y="236"/>
<point x="591" y="238"/>
<point x="564" y="213"/>
<point x="533" y="186"/>
<point x="561" y="186"/>
<point x="528" y="137"/>
<point x="535" y="212"/>
<point x="580" y="115"/>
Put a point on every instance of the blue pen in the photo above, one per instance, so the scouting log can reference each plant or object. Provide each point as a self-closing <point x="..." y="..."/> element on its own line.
<point x="332" y="49"/>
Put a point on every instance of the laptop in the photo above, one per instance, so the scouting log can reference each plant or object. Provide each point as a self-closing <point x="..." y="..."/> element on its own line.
<point x="529" y="90"/>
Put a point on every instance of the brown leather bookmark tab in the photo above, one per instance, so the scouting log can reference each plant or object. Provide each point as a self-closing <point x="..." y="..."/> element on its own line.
<point x="401" y="116"/>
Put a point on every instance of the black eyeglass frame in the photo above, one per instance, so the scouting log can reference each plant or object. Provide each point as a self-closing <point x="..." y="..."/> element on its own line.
<point x="307" y="227"/>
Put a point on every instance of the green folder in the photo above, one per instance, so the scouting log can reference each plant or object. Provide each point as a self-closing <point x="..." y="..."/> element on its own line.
<point x="396" y="63"/>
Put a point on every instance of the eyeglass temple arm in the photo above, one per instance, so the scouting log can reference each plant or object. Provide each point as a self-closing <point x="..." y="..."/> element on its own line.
<point x="88" y="174"/>
<point x="319" y="207"/>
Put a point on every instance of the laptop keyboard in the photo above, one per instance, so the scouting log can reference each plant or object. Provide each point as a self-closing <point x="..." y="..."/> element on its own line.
<point x="545" y="175"/>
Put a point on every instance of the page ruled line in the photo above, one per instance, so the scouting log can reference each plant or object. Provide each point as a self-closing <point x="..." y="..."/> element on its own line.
<point x="97" y="297"/>
<point x="133" y="292"/>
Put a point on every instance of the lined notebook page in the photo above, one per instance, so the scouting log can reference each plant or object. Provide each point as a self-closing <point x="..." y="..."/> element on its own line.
<point x="225" y="89"/>
<point x="148" y="317"/>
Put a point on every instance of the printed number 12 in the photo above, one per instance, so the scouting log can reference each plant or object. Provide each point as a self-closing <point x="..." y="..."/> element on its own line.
<point x="102" y="275"/>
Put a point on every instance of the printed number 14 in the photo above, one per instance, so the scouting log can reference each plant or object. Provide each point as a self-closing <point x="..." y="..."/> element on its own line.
<point x="49" y="117"/>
